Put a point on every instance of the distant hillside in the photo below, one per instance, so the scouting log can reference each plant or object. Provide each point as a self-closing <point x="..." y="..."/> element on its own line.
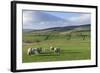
<point x="62" y="29"/>
<point x="82" y="27"/>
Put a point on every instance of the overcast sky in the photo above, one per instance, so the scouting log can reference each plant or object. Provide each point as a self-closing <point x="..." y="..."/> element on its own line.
<point x="48" y="19"/>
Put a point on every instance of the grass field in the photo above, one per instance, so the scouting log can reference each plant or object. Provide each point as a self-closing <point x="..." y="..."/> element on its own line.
<point x="74" y="48"/>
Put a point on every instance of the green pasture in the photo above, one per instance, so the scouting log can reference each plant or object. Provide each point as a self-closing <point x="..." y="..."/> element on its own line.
<point x="75" y="48"/>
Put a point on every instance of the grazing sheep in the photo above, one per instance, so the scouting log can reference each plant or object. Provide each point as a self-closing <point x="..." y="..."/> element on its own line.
<point x="39" y="50"/>
<point x="51" y="48"/>
<point x="44" y="50"/>
<point x="35" y="51"/>
<point x="56" y="50"/>
<point x="31" y="51"/>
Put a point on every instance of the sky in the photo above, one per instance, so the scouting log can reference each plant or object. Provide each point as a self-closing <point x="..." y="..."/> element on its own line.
<point x="48" y="19"/>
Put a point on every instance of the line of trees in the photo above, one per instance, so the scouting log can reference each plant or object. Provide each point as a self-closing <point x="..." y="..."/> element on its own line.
<point x="83" y="36"/>
<point x="68" y="36"/>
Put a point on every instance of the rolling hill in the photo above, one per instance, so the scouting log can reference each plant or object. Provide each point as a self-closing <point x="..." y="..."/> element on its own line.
<point x="61" y="29"/>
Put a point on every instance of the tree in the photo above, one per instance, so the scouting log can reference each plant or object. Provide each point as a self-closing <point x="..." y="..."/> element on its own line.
<point x="83" y="37"/>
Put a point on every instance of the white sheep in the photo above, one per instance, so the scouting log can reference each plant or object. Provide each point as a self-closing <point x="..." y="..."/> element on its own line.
<point x="55" y="50"/>
<point x="31" y="51"/>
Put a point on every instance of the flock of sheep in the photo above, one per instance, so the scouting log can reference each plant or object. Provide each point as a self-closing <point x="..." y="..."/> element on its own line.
<point x="36" y="51"/>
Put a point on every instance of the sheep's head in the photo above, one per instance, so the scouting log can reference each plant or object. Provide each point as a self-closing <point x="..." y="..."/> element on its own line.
<point x="52" y="48"/>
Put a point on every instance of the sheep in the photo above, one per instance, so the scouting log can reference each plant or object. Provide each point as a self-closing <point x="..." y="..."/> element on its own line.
<point x="39" y="50"/>
<point x="51" y="48"/>
<point x="45" y="50"/>
<point x="55" y="50"/>
<point x="31" y="51"/>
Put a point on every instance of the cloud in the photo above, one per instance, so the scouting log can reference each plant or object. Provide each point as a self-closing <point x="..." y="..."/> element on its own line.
<point x="81" y="19"/>
<point x="27" y="17"/>
<point x="42" y="20"/>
